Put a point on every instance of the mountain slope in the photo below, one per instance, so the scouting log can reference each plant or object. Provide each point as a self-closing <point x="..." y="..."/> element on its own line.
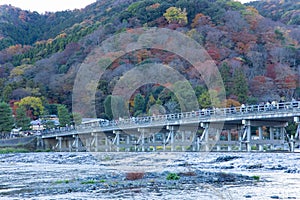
<point x="287" y="11"/>
<point x="41" y="55"/>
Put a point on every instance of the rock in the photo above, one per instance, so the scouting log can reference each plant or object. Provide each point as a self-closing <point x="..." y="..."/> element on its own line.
<point x="247" y="196"/>
<point x="274" y="197"/>
<point x="226" y="158"/>
<point x="257" y="166"/>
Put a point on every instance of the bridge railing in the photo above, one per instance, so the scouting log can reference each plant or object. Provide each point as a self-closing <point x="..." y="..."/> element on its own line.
<point x="199" y="115"/>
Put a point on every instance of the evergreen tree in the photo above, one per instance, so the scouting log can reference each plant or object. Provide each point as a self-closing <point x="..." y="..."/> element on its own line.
<point x="22" y="120"/>
<point x="63" y="115"/>
<point x="227" y="78"/>
<point x="139" y="104"/>
<point x="107" y="107"/>
<point x="240" y="86"/>
<point x="6" y="119"/>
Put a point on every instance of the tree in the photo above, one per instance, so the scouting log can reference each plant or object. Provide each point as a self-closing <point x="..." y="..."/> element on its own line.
<point x="6" y="93"/>
<point x="107" y="107"/>
<point x="240" y="86"/>
<point x="115" y="107"/>
<point x="139" y="104"/>
<point x="176" y="16"/>
<point x="33" y="106"/>
<point x="22" y="120"/>
<point x="151" y="101"/>
<point x="6" y="119"/>
<point x="76" y="118"/>
<point x="226" y="76"/>
<point x="63" y="115"/>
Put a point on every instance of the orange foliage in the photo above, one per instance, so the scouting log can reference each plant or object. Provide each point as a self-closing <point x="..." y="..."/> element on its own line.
<point x="153" y="6"/>
<point x="230" y="102"/>
<point x="200" y="19"/>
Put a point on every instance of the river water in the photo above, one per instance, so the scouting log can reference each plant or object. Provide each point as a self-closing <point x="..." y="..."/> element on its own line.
<point x="58" y="175"/>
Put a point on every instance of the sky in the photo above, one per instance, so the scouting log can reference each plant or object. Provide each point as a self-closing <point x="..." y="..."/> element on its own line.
<point x="48" y="5"/>
<point x="52" y="5"/>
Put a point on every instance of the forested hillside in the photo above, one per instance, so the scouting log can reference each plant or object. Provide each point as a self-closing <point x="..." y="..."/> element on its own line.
<point x="286" y="11"/>
<point x="258" y="57"/>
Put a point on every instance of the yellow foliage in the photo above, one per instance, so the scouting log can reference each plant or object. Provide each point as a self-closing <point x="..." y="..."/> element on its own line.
<point x="176" y="15"/>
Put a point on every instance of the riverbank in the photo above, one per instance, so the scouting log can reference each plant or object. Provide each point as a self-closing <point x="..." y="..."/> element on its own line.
<point x="149" y="176"/>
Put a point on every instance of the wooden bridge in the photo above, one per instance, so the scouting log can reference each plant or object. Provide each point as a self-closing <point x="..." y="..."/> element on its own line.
<point x="245" y="128"/>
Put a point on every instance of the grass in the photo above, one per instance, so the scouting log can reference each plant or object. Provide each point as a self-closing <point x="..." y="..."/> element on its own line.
<point x="257" y="178"/>
<point x="13" y="150"/>
<point x="173" y="176"/>
<point x="89" y="182"/>
<point x="62" y="181"/>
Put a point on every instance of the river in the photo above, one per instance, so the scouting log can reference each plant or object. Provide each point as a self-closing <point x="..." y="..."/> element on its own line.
<point x="60" y="175"/>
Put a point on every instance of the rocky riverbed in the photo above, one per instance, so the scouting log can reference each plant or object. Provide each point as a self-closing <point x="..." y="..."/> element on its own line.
<point x="160" y="175"/>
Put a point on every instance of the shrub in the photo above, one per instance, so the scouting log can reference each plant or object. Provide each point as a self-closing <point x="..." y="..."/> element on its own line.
<point x="173" y="176"/>
<point x="88" y="182"/>
<point x="257" y="178"/>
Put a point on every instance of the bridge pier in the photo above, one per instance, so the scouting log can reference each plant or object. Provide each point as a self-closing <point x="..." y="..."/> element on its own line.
<point x="116" y="140"/>
<point x="297" y="134"/>
<point x="229" y="140"/>
<point x="260" y="136"/>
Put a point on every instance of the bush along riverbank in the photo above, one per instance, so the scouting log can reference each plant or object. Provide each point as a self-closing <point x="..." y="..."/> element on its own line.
<point x="13" y="150"/>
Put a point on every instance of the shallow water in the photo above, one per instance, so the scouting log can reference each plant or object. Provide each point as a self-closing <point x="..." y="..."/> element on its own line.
<point x="63" y="175"/>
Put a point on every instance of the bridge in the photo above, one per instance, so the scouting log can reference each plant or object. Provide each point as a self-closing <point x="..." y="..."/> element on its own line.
<point x="244" y="128"/>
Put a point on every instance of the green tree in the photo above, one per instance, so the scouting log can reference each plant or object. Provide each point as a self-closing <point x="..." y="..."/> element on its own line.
<point x="63" y="115"/>
<point x="204" y="100"/>
<point x="76" y="118"/>
<point x="240" y="86"/>
<point x="6" y="118"/>
<point x="185" y="96"/>
<point x="6" y="93"/>
<point x="22" y="120"/>
<point x="33" y="106"/>
<point x="176" y="15"/>
<point x="227" y="78"/>
<point x="107" y="107"/>
<point x="115" y="107"/>
<point x="139" y="104"/>
<point x="151" y="101"/>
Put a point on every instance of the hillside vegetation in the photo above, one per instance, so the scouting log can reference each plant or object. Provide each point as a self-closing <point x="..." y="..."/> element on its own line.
<point x="258" y="57"/>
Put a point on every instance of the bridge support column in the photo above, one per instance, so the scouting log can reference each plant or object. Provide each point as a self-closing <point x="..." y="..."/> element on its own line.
<point x="292" y="144"/>
<point x="40" y="143"/>
<point x="76" y="142"/>
<point x="183" y="140"/>
<point x="260" y="135"/>
<point x="128" y="143"/>
<point x="154" y="141"/>
<point x="107" y="144"/>
<point x="171" y="137"/>
<point x="205" y="136"/>
<point x="249" y="138"/>
<point x="218" y="139"/>
<point x="297" y="135"/>
<point x="117" y="140"/>
<point x="247" y="124"/>
<point x="229" y="140"/>
<point x="97" y="141"/>
<point x="272" y="137"/>
<point x="59" y="143"/>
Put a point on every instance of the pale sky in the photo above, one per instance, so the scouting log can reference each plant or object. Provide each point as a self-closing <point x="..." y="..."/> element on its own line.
<point x="53" y="5"/>
<point x="48" y="5"/>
